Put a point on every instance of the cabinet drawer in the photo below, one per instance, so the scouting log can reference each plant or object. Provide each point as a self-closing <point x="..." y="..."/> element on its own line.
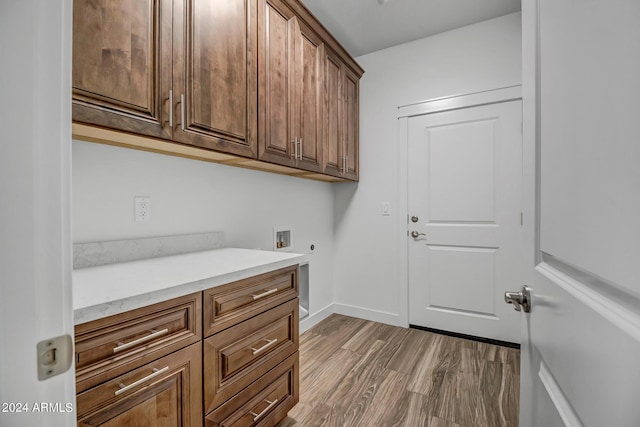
<point x="237" y="356"/>
<point x="264" y="403"/>
<point x="227" y="305"/>
<point x="114" y="345"/>
<point x="164" y="392"/>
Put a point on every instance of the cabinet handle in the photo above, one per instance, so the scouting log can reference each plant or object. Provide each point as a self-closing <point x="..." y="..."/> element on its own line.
<point x="264" y="294"/>
<point x="155" y="373"/>
<point x="295" y="148"/>
<point x="264" y="411"/>
<point x="154" y="334"/>
<point x="171" y="108"/>
<point x="264" y="347"/>
<point x="182" y="111"/>
<point x="344" y="164"/>
<point x="300" y="149"/>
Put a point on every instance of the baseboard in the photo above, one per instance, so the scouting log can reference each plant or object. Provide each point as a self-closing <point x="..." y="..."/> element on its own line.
<point x="315" y="318"/>
<point x="368" y="314"/>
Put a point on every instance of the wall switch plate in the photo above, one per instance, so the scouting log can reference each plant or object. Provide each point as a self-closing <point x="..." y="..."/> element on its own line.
<point x="142" y="208"/>
<point x="386" y="208"/>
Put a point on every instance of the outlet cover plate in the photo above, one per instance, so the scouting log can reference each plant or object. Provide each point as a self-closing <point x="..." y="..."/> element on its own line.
<point x="142" y="208"/>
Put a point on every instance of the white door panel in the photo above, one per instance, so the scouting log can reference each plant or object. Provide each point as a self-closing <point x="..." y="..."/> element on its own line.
<point x="581" y="341"/>
<point x="464" y="186"/>
<point x="455" y="196"/>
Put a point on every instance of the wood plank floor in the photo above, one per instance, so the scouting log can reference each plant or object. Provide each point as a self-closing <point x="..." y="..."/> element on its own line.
<point x="359" y="373"/>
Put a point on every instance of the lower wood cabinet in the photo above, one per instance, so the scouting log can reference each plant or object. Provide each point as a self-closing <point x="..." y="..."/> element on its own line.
<point x="265" y="402"/>
<point x="151" y="366"/>
<point x="166" y="392"/>
<point x="236" y="357"/>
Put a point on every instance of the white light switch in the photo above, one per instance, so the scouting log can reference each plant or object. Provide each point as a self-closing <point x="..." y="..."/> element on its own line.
<point x="386" y="208"/>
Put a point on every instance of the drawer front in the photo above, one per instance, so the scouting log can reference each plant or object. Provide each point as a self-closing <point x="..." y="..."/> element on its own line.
<point x="265" y="402"/>
<point x="111" y="346"/>
<point x="237" y="356"/>
<point x="167" y="392"/>
<point x="230" y="304"/>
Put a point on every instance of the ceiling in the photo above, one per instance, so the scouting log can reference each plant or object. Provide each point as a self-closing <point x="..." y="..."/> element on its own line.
<point x="364" y="26"/>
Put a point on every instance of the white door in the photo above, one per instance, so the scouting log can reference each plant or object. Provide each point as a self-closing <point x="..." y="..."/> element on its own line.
<point x="581" y="341"/>
<point x="464" y="203"/>
<point x="35" y="217"/>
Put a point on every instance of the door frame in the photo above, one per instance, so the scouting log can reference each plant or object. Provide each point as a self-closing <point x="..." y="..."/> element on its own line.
<point x="437" y="105"/>
<point x="36" y="251"/>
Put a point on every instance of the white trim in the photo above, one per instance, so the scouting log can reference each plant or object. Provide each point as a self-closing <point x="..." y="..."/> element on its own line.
<point x="558" y="398"/>
<point x="619" y="315"/>
<point x="315" y="318"/>
<point x="456" y="102"/>
<point x="368" y="314"/>
<point x="403" y="219"/>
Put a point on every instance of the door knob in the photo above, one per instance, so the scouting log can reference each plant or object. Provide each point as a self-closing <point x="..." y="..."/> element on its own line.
<point x="520" y="300"/>
<point x="415" y="234"/>
<point x="414" y="218"/>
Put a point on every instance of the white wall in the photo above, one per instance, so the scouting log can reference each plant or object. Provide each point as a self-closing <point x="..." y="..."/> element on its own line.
<point x="191" y="196"/>
<point x="368" y="278"/>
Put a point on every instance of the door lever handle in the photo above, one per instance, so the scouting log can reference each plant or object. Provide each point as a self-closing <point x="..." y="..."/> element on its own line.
<point x="521" y="300"/>
<point x="415" y="234"/>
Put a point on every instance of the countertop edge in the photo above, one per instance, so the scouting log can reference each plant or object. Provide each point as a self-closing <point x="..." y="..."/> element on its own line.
<point x="110" y="308"/>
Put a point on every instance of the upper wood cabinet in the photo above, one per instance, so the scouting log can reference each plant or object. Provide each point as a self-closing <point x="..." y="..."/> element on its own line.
<point x="341" y="87"/>
<point x="251" y="78"/>
<point x="122" y="61"/>
<point x="214" y="74"/>
<point x="276" y="46"/>
<point x="290" y="88"/>
<point x="308" y="98"/>
<point x="182" y="70"/>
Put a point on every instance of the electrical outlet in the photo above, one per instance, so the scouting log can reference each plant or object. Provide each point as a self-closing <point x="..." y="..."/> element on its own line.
<point x="142" y="207"/>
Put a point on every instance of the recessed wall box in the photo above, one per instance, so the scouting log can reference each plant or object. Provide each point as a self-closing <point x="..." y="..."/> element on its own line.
<point x="282" y="238"/>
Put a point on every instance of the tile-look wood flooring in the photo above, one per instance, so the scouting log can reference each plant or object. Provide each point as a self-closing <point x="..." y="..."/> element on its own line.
<point x="359" y="373"/>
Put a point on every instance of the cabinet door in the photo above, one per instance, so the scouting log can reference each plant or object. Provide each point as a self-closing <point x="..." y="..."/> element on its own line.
<point x="308" y="98"/>
<point x="276" y="34"/>
<point x="214" y="74"/>
<point x="333" y="123"/>
<point x="351" y="129"/>
<point x="122" y="64"/>
<point x="167" y="392"/>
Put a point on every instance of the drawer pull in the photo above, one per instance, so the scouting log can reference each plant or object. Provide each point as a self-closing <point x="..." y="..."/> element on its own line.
<point x="154" y="334"/>
<point x="264" y="347"/>
<point x="264" y="294"/>
<point x="156" y="372"/>
<point x="271" y="404"/>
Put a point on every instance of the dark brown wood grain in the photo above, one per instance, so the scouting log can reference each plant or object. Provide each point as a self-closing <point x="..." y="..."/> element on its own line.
<point x="215" y="68"/>
<point x="360" y="373"/>
<point x="232" y="303"/>
<point x="95" y="341"/>
<point x="171" y="399"/>
<point x="351" y="116"/>
<point x="229" y="364"/>
<point x="333" y="129"/>
<point x="308" y="97"/>
<point x="276" y="69"/>
<point x="122" y="64"/>
<point x="279" y="385"/>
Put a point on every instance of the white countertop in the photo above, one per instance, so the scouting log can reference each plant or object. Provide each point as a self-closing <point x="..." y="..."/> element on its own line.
<point x="115" y="288"/>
